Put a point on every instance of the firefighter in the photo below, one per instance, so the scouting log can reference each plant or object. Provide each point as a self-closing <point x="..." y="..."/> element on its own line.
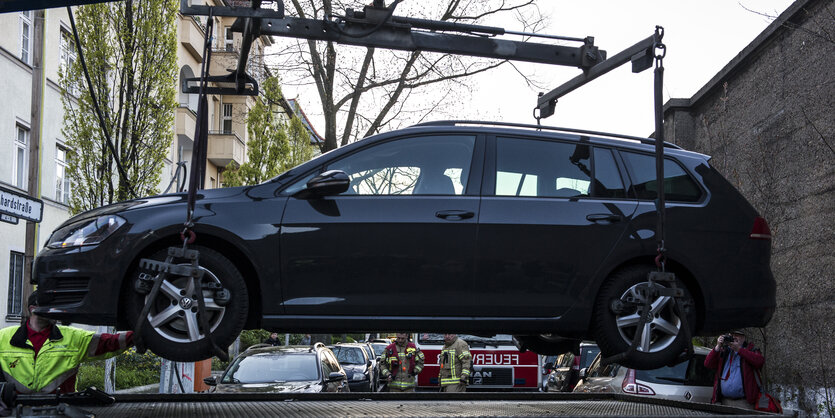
<point x="456" y="363"/>
<point x="402" y="362"/>
<point x="42" y="357"/>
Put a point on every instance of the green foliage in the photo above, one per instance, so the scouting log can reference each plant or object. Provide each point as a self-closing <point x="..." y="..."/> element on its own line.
<point x="273" y="146"/>
<point x="131" y="53"/>
<point x="132" y="370"/>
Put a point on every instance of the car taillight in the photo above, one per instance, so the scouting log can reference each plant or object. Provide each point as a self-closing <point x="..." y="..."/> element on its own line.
<point x="629" y="385"/>
<point x="760" y="229"/>
<point x="576" y="365"/>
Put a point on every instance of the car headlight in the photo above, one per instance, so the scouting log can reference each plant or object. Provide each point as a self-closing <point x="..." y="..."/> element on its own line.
<point x="89" y="232"/>
<point x="358" y="376"/>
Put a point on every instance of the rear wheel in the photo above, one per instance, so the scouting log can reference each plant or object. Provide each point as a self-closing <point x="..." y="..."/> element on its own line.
<point x="661" y="339"/>
<point x="172" y="328"/>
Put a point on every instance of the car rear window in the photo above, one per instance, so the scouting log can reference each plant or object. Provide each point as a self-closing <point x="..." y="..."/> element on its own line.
<point x="678" y="185"/>
<point x="691" y="373"/>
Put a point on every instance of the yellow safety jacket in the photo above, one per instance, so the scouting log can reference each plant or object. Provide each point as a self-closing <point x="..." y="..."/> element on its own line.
<point x="456" y="362"/>
<point x="56" y="362"/>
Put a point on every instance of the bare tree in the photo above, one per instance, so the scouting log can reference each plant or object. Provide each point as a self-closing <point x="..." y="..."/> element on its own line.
<point x="363" y="90"/>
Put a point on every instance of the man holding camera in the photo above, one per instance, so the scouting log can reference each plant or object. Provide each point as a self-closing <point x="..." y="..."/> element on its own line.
<point x="735" y="362"/>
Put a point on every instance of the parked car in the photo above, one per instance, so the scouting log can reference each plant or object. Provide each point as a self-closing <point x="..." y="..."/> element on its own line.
<point x="447" y="226"/>
<point x="378" y="346"/>
<point x="272" y="369"/>
<point x="358" y="365"/>
<point x="565" y="370"/>
<point x="686" y="381"/>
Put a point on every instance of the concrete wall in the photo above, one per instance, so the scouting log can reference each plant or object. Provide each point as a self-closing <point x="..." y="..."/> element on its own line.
<point x="767" y="120"/>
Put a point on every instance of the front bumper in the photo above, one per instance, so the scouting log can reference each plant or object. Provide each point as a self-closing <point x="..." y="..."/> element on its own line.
<point x="79" y="284"/>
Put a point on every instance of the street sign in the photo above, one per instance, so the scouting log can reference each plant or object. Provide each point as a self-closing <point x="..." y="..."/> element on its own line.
<point x="19" y="205"/>
<point x="8" y="218"/>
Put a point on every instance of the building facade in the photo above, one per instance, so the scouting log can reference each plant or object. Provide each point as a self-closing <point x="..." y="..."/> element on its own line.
<point x="767" y="121"/>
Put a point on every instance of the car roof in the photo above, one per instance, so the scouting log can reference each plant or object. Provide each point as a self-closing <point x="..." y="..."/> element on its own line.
<point x="281" y="349"/>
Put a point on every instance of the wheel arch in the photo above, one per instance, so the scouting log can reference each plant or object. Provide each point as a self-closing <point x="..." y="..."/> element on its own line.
<point x="206" y="239"/>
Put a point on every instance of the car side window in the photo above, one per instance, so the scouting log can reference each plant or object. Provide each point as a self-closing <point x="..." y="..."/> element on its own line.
<point x="678" y="185"/>
<point x="528" y="167"/>
<point x="608" y="182"/>
<point x="429" y="165"/>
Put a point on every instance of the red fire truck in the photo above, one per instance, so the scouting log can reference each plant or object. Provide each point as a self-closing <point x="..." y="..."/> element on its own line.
<point x="497" y="363"/>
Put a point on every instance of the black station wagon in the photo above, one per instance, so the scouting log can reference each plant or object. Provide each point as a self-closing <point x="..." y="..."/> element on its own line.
<point x="453" y="227"/>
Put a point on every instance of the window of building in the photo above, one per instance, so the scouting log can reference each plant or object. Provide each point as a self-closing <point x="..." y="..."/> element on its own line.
<point x="68" y="57"/>
<point x="25" y="35"/>
<point x="227" y="118"/>
<point x="21" y="157"/>
<point x="229" y="38"/>
<point x="62" y="180"/>
<point x="14" y="308"/>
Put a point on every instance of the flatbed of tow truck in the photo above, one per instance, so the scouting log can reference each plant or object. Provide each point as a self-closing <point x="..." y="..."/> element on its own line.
<point x="489" y="404"/>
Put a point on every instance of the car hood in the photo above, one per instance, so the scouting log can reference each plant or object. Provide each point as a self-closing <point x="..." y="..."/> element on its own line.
<point x="353" y="368"/>
<point x="167" y="199"/>
<point x="277" y="387"/>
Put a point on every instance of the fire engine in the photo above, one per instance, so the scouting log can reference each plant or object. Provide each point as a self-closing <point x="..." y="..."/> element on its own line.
<point x="497" y="363"/>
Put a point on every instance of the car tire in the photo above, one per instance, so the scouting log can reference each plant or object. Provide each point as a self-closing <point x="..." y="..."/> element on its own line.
<point x="176" y="335"/>
<point x="614" y="332"/>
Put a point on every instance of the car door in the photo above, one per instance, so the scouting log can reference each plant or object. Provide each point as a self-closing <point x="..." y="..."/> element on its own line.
<point x="404" y="232"/>
<point x="551" y="213"/>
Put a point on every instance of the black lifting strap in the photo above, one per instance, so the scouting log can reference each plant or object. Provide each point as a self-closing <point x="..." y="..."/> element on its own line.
<point x="655" y="289"/>
<point x="196" y="181"/>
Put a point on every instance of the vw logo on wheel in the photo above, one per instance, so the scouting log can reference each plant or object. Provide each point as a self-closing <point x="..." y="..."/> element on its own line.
<point x="186" y="303"/>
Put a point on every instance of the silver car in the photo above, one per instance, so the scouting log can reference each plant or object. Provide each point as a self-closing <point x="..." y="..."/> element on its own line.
<point x="686" y="381"/>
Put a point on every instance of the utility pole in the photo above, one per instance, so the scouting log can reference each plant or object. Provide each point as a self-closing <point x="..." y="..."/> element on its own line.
<point x="36" y="120"/>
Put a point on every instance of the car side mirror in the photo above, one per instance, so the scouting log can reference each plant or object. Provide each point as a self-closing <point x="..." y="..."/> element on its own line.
<point x="583" y="372"/>
<point x="329" y="183"/>
<point x="211" y="381"/>
<point x="369" y="363"/>
<point x="335" y="377"/>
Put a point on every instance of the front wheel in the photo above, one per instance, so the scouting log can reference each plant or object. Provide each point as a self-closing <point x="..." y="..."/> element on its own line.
<point x="661" y="339"/>
<point x="172" y="328"/>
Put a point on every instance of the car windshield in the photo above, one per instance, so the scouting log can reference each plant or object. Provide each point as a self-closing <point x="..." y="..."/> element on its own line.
<point x="588" y="354"/>
<point x="472" y="340"/>
<point x="692" y="373"/>
<point x="273" y="367"/>
<point x="348" y="355"/>
<point x="379" y="348"/>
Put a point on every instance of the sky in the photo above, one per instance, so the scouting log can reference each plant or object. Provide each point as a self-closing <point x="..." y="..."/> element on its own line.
<point x="701" y="38"/>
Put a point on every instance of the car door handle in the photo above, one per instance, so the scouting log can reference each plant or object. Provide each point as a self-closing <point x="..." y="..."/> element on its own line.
<point x="454" y="215"/>
<point x="604" y="217"/>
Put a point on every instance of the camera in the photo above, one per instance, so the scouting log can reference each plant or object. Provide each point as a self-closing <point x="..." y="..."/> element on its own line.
<point x="727" y="339"/>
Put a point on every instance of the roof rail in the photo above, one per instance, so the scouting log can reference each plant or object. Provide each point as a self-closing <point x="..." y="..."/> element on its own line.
<point x="649" y="141"/>
<point x="259" y="345"/>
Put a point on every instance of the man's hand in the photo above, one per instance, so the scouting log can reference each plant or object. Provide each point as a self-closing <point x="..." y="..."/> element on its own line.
<point x="735" y="346"/>
<point x="719" y="342"/>
<point x="465" y="380"/>
<point x="388" y="378"/>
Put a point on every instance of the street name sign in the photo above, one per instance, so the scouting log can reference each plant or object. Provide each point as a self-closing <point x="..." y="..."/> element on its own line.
<point x="18" y="205"/>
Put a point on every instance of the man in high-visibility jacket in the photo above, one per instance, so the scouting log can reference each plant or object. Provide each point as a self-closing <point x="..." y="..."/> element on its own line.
<point x="456" y="363"/>
<point x="401" y="363"/>
<point x="42" y="357"/>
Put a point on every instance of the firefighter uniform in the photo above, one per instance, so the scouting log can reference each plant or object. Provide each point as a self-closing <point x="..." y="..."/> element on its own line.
<point x="403" y="363"/>
<point x="456" y="363"/>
